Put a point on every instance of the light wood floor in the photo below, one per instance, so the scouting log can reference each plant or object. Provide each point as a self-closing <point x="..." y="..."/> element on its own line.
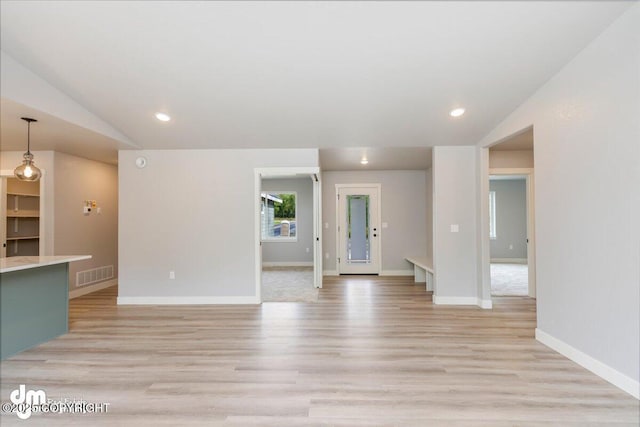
<point x="370" y="352"/>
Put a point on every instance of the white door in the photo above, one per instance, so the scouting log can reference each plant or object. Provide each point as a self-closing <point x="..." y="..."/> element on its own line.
<point x="358" y="229"/>
<point x="531" y="234"/>
<point x="317" y="231"/>
<point x="3" y="216"/>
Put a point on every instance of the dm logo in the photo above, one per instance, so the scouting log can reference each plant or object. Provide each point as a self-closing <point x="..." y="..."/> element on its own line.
<point x="25" y="400"/>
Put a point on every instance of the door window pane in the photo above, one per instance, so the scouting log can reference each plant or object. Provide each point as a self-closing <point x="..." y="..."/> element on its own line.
<point x="358" y="239"/>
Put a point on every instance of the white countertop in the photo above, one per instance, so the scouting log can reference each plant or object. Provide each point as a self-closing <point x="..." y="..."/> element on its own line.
<point x="16" y="263"/>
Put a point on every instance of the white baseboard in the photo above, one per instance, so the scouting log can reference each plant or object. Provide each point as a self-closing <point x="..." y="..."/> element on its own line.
<point x="92" y="288"/>
<point x="396" y="273"/>
<point x="510" y="260"/>
<point x="605" y="372"/>
<point x="177" y="300"/>
<point x="288" y="264"/>
<point x="485" y="303"/>
<point x="438" y="300"/>
<point x="329" y="272"/>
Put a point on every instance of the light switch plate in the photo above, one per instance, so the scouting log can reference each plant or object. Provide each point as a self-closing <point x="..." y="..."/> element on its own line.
<point x="455" y="228"/>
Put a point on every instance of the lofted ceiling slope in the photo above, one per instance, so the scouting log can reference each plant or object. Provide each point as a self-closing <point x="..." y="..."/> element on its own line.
<point x="300" y="74"/>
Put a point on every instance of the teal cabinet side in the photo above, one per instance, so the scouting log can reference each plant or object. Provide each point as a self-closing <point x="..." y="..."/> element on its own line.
<point x="34" y="307"/>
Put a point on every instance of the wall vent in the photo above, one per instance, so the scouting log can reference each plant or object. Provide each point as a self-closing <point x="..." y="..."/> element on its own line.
<point x="94" y="275"/>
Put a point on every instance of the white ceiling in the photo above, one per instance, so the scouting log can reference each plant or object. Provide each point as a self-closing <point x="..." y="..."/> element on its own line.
<point x="394" y="158"/>
<point x="52" y="133"/>
<point x="300" y="74"/>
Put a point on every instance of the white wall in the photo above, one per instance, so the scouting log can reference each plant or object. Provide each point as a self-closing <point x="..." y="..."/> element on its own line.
<point x="21" y="85"/>
<point x="293" y="252"/>
<point x="403" y="206"/>
<point x="454" y="201"/>
<point x="76" y="180"/>
<point x="587" y="160"/>
<point x="511" y="159"/>
<point x="429" y="213"/>
<point x="192" y="212"/>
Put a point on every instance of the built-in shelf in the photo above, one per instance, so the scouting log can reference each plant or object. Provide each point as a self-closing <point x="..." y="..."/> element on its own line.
<point x="23" y="214"/>
<point x="21" y="234"/>
<point x="22" y="194"/>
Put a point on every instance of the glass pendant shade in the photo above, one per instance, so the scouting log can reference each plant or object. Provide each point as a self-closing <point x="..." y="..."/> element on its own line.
<point x="27" y="171"/>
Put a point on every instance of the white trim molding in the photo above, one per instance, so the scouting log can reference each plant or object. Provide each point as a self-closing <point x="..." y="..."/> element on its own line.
<point x="396" y="273"/>
<point x="510" y="260"/>
<point x="606" y="372"/>
<point x="438" y="300"/>
<point x="178" y="300"/>
<point x="487" y="304"/>
<point x="92" y="288"/>
<point x="287" y="264"/>
<point x="330" y="272"/>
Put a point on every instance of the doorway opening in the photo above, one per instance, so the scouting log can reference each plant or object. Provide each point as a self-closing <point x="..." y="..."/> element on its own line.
<point x="508" y="234"/>
<point x="510" y="246"/>
<point x="358" y="231"/>
<point x="288" y="257"/>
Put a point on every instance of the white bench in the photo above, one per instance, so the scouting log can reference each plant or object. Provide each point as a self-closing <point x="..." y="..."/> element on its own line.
<point x="422" y="270"/>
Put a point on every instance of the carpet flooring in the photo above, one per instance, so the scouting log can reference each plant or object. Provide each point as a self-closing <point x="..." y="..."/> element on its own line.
<point x="288" y="284"/>
<point x="509" y="279"/>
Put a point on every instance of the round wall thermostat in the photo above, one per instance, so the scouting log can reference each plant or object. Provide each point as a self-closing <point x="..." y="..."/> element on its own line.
<point x="141" y="162"/>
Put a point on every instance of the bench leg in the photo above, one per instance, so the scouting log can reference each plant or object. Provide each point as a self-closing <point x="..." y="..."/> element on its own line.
<point x="419" y="274"/>
<point x="429" y="281"/>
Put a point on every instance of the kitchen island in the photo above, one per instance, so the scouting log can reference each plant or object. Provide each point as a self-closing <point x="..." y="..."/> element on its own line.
<point x="34" y="300"/>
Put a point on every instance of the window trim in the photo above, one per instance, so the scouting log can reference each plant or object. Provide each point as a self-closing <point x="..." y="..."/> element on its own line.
<point x="290" y="239"/>
<point x="493" y="234"/>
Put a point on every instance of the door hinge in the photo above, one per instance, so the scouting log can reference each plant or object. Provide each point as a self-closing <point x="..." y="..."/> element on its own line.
<point x="338" y="197"/>
<point x="338" y="260"/>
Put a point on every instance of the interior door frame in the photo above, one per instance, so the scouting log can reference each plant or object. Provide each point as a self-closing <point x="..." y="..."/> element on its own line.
<point x="288" y="172"/>
<point x="377" y="187"/>
<point x="531" y="243"/>
<point x="8" y="173"/>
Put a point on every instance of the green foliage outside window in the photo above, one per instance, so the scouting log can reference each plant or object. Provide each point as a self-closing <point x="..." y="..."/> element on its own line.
<point x="286" y="209"/>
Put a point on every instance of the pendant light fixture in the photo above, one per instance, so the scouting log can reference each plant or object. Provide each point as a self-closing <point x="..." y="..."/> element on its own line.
<point x="27" y="171"/>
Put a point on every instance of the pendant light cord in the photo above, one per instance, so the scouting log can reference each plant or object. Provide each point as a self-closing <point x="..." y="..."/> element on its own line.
<point x="28" y="120"/>
<point x="28" y="137"/>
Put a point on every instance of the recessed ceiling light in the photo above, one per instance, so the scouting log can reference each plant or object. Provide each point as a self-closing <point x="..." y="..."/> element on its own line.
<point x="456" y="112"/>
<point x="163" y="117"/>
<point x="364" y="161"/>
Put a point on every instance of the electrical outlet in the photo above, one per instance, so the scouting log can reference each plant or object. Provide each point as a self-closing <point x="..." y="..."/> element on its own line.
<point x="172" y="275"/>
<point x="326" y="255"/>
<point x="307" y="250"/>
<point x="511" y="247"/>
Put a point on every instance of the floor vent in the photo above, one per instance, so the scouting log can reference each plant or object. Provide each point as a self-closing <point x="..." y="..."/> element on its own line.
<point x="94" y="275"/>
